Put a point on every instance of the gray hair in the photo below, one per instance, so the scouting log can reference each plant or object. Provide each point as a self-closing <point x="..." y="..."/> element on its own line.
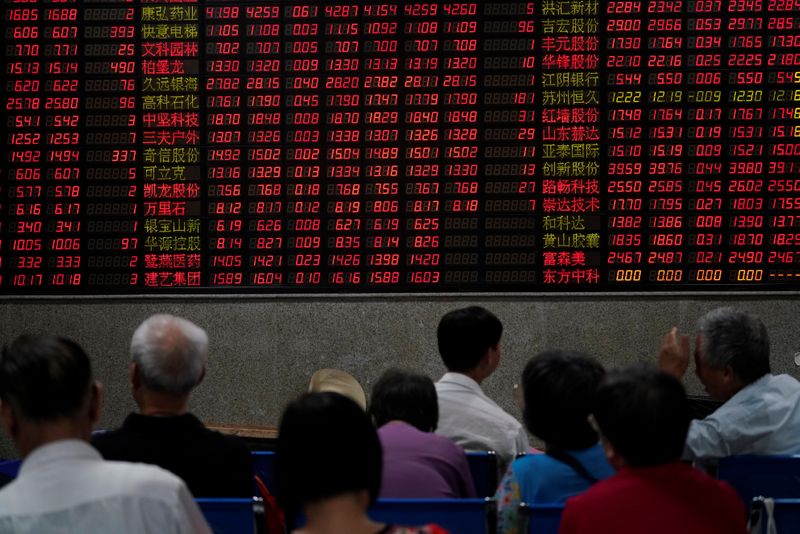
<point x="736" y="338"/>
<point x="171" y="353"/>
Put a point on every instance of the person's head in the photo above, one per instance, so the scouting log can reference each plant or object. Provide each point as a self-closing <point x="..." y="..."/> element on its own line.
<point x="558" y="387"/>
<point x="46" y="391"/>
<point x="408" y="397"/>
<point x="338" y="381"/>
<point x="643" y="416"/>
<point x="326" y="447"/>
<point x="168" y="356"/>
<point x="731" y="351"/>
<point x="469" y="340"/>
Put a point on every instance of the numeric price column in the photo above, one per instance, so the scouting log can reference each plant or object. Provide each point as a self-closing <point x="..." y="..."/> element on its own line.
<point x="63" y="140"/>
<point x="304" y="81"/>
<point x="265" y="150"/>
<point x="343" y="126"/>
<point x="704" y="223"/>
<point x="422" y="121"/>
<point x="626" y="119"/>
<point x="665" y="98"/>
<point x="462" y="181"/>
<point x="744" y="129"/>
<point x="782" y="60"/>
<point x="22" y="203"/>
<point x="225" y="136"/>
<point x="511" y="182"/>
<point x="112" y="175"/>
<point x="171" y="139"/>
<point x="382" y="48"/>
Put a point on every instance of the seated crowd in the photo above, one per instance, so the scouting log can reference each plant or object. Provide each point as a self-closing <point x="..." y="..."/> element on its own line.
<point x="617" y="444"/>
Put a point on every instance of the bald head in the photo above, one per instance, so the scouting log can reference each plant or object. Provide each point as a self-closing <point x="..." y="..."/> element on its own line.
<point x="170" y="353"/>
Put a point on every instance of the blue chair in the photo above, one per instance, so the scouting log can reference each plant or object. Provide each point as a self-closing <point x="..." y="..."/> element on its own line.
<point x="458" y="516"/>
<point x="10" y="468"/>
<point x="540" y="518"/>
<point x="229" y="516"/>
<point x="483" y="468"/>
<point x="263" y="465"/>
<point x="786" y="515"/>
<point x="771" y="476"/>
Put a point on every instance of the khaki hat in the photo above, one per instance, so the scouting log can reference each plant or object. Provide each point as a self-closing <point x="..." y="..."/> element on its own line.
<point x="340" y="382"/>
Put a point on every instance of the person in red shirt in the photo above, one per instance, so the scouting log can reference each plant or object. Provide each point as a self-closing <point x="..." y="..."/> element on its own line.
<point x="643" y="417"/>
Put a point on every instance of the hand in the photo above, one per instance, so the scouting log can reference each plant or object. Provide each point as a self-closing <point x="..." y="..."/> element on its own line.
<point x="673" y="355"/>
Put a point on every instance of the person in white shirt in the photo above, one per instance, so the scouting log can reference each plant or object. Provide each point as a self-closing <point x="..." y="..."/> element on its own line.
<point x="760" y="413"/>
<point x="48" y="405"/>
<point x="469" y="344"/>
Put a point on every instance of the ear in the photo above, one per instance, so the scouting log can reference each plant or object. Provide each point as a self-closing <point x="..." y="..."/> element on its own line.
<point x="95" y="402"/>
<point x="133" y="375"/>
<point x="202" y="376"/>
<point x="614" y="459"/>
<point x="9" y="418"/>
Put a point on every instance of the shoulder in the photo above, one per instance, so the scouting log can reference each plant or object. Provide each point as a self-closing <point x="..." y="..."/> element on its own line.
<point x="140" y="479"/>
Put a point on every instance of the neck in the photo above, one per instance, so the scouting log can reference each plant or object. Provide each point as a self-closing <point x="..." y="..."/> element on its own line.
<point x="34" y="435"/>
<point x="157" y="403"/>
<point x="346" y="512"/>
<point x="476" y="374"/>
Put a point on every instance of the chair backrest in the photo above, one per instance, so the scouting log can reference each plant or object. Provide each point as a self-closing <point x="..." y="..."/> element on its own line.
<point x="458" y="516"/>
<point x="540" y="518"/>
<point x="786" y="514"/>
<point x="263" y="464"/>
<point x="771" y="476"/>
<point x="229" y="516"/>
<point x="10" y="467"/>
<point x="483" y="468"/>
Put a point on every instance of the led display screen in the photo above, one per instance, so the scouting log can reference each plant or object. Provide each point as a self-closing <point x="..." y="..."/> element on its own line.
<point x="399" y="146"/>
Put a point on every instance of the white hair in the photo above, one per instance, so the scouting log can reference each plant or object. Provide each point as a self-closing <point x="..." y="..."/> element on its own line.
<point x="170" y="352"/>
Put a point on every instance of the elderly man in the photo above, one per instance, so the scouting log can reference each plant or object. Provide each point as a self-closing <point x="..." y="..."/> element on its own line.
<point x="469" y="344"/>
<point x="169" y="359"/>
<point x="761" y="411"/>
<point x="48" y="404"/>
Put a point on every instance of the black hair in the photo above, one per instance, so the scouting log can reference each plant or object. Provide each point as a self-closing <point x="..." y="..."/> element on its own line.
<point x="644" y="414"/>
<point x="732" y="337"/>
<point x="44" y="378"/>
<point x="409" y="397"/>
<point x="326" y="446"/>
<point x="558" y="387"/>
<point x="464" y="336"/>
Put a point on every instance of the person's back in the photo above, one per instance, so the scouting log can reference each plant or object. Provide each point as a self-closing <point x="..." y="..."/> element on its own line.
<point x="557" y="388"/>
<point x="665" y="499"/>
<point x="334" y="485"/>
<point x="416" y="462"/>
<point x="49" y="404"/>
<point x="168" y="360"/>
<point x="469" y="344"/>
<point x="66" y="487"/>
<point x="211" y="464"/>
<point x="643" y="418"/>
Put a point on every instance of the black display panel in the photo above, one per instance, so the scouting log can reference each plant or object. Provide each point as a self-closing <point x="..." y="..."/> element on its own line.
<point x="154" y="147"/>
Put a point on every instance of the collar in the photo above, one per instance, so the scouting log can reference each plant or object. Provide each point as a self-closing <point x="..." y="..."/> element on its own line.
<point x="61" y="451"/>
<point x="669" y="470"/>
<point x="461" y="380"/>
<point x="747" y="390"/>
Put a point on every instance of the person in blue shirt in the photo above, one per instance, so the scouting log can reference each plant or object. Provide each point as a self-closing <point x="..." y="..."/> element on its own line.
<point x="557" y="387"/>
